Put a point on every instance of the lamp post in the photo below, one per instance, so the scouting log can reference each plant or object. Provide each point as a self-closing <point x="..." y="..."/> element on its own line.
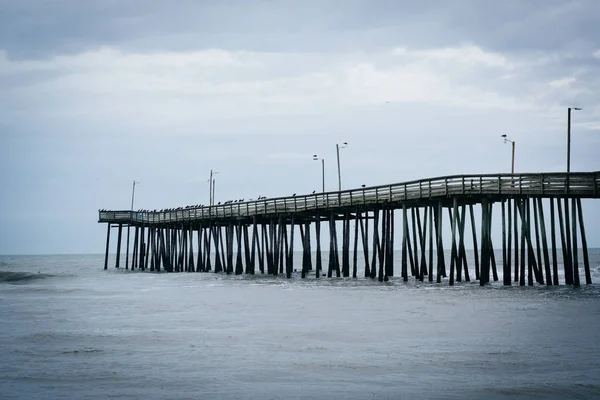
<point x="315" y="158"/>
<point x="211" y="188"/>
<point x="569" y="136"/>
<point x="337" y="149"/>
<point x="133" y="194"/>
<point x="129" y="226"/>
<point x="507" y="140"/>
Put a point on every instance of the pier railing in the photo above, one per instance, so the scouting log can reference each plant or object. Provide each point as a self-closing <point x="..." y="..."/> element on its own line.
<point x="580" y="185"/>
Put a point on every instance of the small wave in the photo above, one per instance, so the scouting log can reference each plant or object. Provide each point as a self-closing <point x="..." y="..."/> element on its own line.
<point x="80" y="351"/>
<point x="22" y="277"/>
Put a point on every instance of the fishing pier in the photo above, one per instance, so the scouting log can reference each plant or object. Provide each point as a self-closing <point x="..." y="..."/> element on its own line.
<point x="538" y="217"/>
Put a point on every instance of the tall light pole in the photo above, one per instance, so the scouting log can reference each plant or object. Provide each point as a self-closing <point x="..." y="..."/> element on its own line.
<point x="337" y="149"/>
<point x="213" y="192"/>
<point x="572" y="278"/>
<point x="129" y="226"/>
<point x="507" y="140"/>
<point x="133" y="194"/>
<point x="211" y="188"/>
<point x="315" y="158"/>
<point x="569" y="137"/>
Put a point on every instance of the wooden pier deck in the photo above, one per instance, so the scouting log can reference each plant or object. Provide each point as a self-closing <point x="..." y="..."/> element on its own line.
<point x="263" y="230"/>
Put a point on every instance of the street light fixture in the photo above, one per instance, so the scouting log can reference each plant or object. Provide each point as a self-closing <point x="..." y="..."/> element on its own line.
<point x="316" y="158"/>
<point x="337" y="149"/>
<point x="507" y="140"/>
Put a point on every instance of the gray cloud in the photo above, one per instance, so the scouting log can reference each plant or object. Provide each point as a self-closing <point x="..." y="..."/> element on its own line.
<point x="96" y="94"/>
<point x="41" y="28"/>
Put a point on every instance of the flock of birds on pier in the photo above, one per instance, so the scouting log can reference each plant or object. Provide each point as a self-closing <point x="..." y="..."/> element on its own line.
<point x="194" y="206"/>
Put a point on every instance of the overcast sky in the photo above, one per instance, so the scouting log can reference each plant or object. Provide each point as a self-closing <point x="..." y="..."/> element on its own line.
<point x="97" y="94"/>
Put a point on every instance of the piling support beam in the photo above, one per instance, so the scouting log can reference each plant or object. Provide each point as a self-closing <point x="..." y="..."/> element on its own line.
<point x="584" y="248"/>
<point x="475" y="247"/>
<point x="574" y="248"/>
<point x="319" y="266"/>
<point x="453" y="250"/>
<point x="119" y="245"/>
<point x="107" y="246"/>
<point x="553" y="244"/>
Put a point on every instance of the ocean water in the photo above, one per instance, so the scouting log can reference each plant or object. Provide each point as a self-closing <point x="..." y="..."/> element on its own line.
<point x="70" y="330"/>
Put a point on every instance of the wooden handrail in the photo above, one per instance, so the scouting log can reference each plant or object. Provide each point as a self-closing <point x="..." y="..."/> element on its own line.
<point x="582" y="184"/>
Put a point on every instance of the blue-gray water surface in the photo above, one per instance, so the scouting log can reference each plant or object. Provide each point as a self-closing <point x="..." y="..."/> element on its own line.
<point x="71" y="330"/>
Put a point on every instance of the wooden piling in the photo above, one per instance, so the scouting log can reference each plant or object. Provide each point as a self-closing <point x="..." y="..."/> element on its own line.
<point x="119" y="246"/>
<point x="485" y="247"/>
<point x="355" y="252"/>
<point x="553" y="244"/>
<point x="544" y="243"/>
<point x="538" y="245"/>
<point x="239" y="264"/>
<point x="431" y="212"/>
<point x="319" y="266"/>
<point x="384" y="234"/>
<point x="423" y="242"/>
<point x="346" y="245"/>
<point x="404" y="243"/>
<point x="565" y="252"/>
<point x="413" y="212"/>
<point x="584" y="248"/>
<point x="440" y="247"/>
<point x="574" y="248"/>
<point x="108" y="226"/>
<point x="475" y="247"/>
<point x="364" y="231"/>
<point x="505" y="255"/>
<point x="290" y="258"/>
<point x="461" y="245"/>
<point x="516" y="219"/>
<point x="508" y="280"/>
<point x="569" y="260"/>
<point x="453" y="250"/>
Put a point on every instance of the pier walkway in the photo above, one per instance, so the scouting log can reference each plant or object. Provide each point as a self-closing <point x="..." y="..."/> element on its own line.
<point x="261" y="232"/>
